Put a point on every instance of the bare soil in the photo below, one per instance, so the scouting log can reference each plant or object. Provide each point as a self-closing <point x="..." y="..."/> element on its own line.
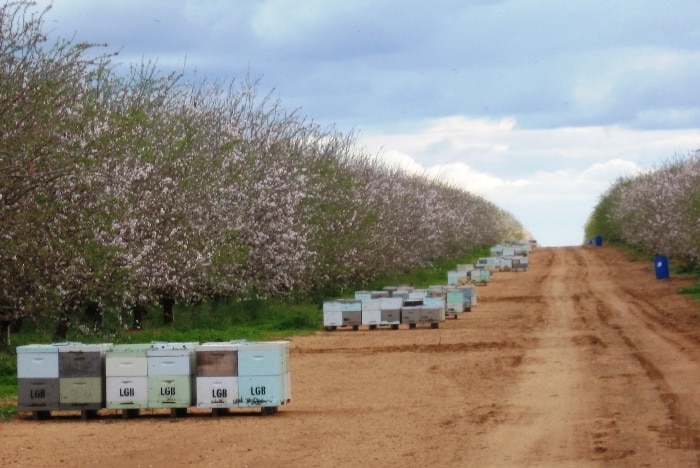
<point x="584" y="360"/>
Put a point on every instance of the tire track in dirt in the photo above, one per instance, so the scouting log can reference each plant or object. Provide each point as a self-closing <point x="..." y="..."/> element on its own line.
<point x="598" y="377"/>
<point x="666" y="354"/>
<point x="535" y="423"/>
<point x="433" y="348"/>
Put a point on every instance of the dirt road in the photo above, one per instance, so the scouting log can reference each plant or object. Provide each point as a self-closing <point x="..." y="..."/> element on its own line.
<point x="584" y="360"/>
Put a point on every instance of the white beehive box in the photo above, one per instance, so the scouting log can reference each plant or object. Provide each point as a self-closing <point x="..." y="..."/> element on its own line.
<point x="37" y="361"/>
<point x="418" y="294"/>
<point x="363" y="295"/>
<point x="352" y="312"/>
<point x="372" y="312"/>
<point x="171" y="359"/>
<point x="332" y="314"/>
<point x="217" y="392"/>
<point x="171" y="375"/>
<point x="37" y="378"/>
<point x="217" y="375"/>
<point x="390" y="311"/>
<point x="126" y="376"/>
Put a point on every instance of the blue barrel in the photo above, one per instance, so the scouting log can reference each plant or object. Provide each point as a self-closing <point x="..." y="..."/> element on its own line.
<point x="661" y="266"/>
<point x="598" y="240"/>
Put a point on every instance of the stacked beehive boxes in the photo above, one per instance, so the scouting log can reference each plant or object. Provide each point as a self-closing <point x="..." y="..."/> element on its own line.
<point x="217" y="376"/>
<point x="61" y="376"/>
<point x="37" y="379"/>
<point x="162" y="375"/>
<point x="80" y="370"/>
<point x="170" y="376"/>
<point x="126" y="378"/>
<point x="243" y="374"/>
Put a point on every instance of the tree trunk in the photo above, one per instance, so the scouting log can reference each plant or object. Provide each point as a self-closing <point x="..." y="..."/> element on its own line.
<point x="5" y="333"/>
<point x="61" y="332"/>
<point x="168" y="304"/>
<point x="139" y="311"/>
<point x="93" y="313"/>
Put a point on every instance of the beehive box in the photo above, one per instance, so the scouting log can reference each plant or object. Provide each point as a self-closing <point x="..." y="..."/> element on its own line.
<point x="342" y="313"/>
<point x="171" y="375"/>
<point x="371" y="313"/>
<point x="480" y="276"/>
<point x="381" y="294"/>
<point x="431" y="315"/>
<point x="469" y="292"/>
<point x="457" y="277"/>
<point x="520" y="263"/>
<point x="126" y="376"/>
<point x="401" y="294"/>
<point x="390" y="311"/>
<point x="263" y="373"/>
<point x="352" y="312"/>
<point x="438" y="303"/>
<point x="418" y="294"/>
<point x="81" y="376"/>
<point x="464" y="293"/>
<point x="332" y="315"/>
<point x="217" y="375"/>
<point x="37" y="378"/>
<point x="455" y="302"/>
<point x="410" y="314"/>
<point x="363" y="295"/>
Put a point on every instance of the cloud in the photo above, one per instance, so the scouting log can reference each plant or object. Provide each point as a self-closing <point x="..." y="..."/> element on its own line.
<point x="550" y="179"/>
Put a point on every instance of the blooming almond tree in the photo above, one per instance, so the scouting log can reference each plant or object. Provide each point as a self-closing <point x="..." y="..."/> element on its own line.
<point x="657" y="211"/>
<point x="130" y="190"/>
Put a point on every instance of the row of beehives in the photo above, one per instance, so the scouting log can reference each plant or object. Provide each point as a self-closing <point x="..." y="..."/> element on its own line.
<point x="469" y="274"/>
<point x="500" y="263"/>
<point x="512" y="256"/>
<point x="502" y="258"/>
<point x="175" y="376"/>
<point x="512" y="249"/>
<point x="396" y="305"/>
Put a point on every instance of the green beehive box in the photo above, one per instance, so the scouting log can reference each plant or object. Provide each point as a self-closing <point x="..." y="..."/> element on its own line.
<point x="83" y="393"/>
<point x="170" y="391"/>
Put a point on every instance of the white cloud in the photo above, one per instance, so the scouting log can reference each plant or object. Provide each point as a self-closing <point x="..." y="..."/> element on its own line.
<point x="549" y="179"/>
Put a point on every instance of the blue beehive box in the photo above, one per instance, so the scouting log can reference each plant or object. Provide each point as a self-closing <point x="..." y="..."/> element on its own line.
<point x="264" y="378"/>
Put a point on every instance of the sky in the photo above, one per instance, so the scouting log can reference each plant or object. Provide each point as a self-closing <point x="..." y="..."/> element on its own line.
<point x="536" y="105"/>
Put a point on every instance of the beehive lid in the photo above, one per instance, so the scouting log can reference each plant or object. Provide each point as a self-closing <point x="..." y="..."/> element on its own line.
<point x="168" y="346"/>
<point x="131" y="348"/>
<point x="85" y="347"/>
<point x="262" y="344"/>
<point x="37" y="348"/>
<point x="218" y="346"/>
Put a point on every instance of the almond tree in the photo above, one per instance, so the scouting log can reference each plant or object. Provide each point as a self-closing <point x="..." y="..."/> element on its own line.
<point x="143" y="189"/>
<point x="45" y="247"/>
<point x="657" y="211"/>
